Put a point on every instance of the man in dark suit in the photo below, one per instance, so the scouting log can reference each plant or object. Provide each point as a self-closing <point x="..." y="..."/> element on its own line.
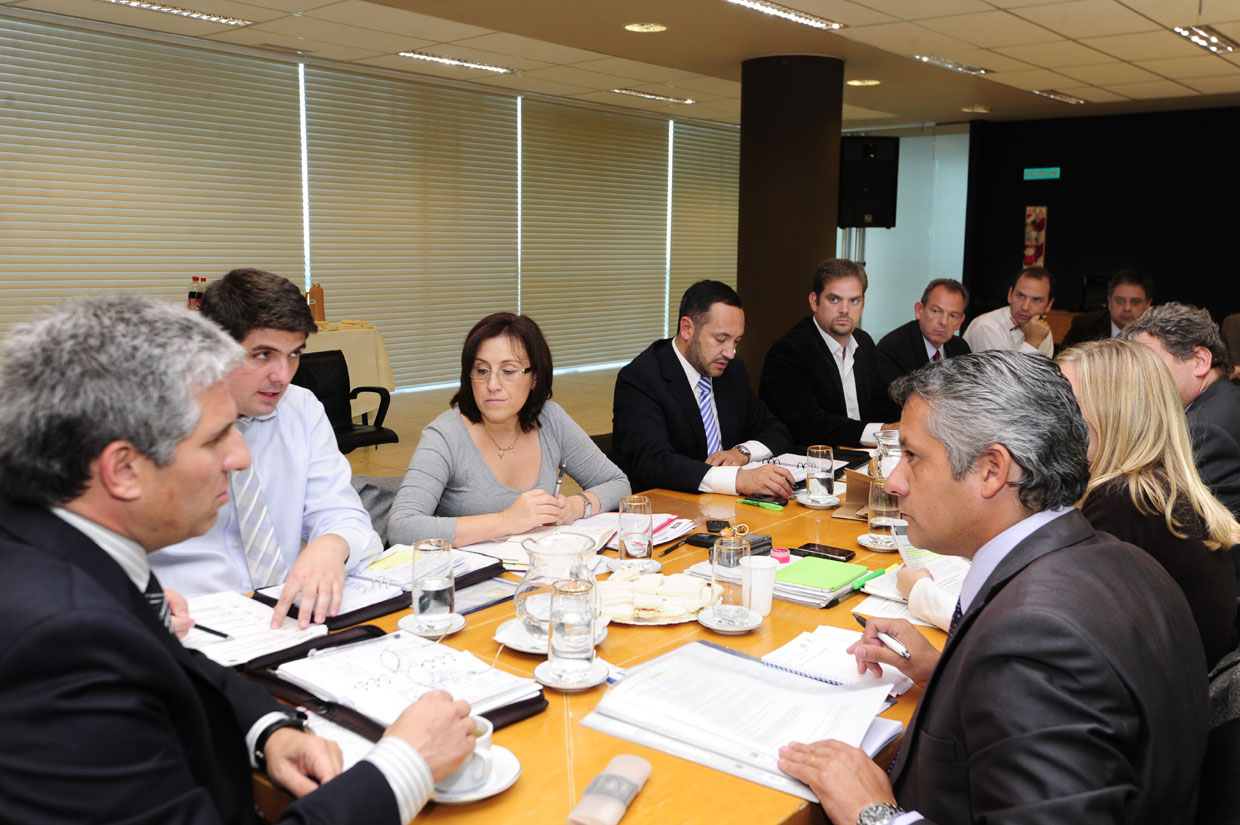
<point x="119" y="441"/>
<point x="822" y="377"/>
<point x="684" y="416"/>
<point x="930" y="336"/>
<point x="1070" y="688"/>
<point x="1129" y="294"/>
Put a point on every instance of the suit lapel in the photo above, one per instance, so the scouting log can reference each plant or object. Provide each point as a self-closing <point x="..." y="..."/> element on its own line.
<point x="678" y="387"/>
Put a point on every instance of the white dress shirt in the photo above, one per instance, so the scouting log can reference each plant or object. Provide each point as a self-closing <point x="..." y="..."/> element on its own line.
<point x="307" y="488"/>
<point x="995" y="330"/>
<point x="845" y="357"/>
<point x="720" y="480"/>
<point x="931" y="349"/>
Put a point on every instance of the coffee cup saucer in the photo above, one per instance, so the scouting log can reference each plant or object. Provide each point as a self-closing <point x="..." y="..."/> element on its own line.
<point x="505" y="769"/>
<point x="596" y="676"/>
<point x="410" y="623"/>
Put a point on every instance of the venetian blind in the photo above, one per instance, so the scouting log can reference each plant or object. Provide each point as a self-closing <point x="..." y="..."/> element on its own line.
<point x="413" y="212"/>
<point x="594" y="230"/>
<point x="130" y="165"/>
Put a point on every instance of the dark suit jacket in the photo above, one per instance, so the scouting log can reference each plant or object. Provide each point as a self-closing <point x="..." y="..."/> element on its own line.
<point x="105" y="717"/>
<point x="801" y="384"/>
<point x="657" y="434"/>
<point x="1094" y="325"/>
<point x="1214" y="424"/>
<point x="1074" y="691"/>
<point x="904" y="349"/>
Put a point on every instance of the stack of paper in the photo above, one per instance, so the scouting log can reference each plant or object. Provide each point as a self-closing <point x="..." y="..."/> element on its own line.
<point x="821" y="654"/>
<point x="810" y="581"/>
<point x="248" y="625"/>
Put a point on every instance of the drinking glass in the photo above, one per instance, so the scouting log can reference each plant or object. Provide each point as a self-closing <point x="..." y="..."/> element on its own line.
<point x="727" y="592"/>
<point x="636" y="522"/>
<point x="819" y="472"/>
<point x="884" y="512"/>
<point x="570" y="651"/>
<point x="434" y="585"/>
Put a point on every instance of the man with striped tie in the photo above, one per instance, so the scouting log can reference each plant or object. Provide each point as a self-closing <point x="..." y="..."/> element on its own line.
<point x="298" y="487"/>
<point x="684" y="416"/>
<point x="118" y="440"/>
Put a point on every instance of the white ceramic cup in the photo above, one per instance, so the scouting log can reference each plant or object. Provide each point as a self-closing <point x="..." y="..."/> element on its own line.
<point x="476" y="769"/>
<point x="758" y="583"/>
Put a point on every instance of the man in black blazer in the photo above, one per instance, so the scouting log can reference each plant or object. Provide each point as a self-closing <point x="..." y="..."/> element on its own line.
<point x="930" y="336"/>
<point x="684" y="416"/>
<point x="119" y="441"/>
<point x="1071" y="687"/>
<point x="1129" y="294"/>
<point x="822" y="377"/>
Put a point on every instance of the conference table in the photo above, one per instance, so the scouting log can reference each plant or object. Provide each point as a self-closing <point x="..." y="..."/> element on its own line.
<point x="559" y="757"/>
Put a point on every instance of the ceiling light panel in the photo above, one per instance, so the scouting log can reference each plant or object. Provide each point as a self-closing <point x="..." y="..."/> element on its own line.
<point x="204" y="16"/>
<point x="789" y="14"/>
<point x="1060" y="96"/>
<point x="1208" y="38"/>
<point x="650" y="96"/>
<point x="452" y="61"/>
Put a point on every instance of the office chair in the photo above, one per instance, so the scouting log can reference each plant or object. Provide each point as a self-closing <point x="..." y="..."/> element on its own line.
<point x="327" y="376"/>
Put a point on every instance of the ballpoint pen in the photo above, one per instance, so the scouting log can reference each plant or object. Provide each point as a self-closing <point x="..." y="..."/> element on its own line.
<point x="559" y="480"/>
<point x="890" y="641"/>
<point x="674" y="546"/>
<point x="765" y="505"/>
<point x="212" y="631"/>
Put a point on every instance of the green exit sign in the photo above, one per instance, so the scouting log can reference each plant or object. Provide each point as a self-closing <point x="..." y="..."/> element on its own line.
<point x="1045" y="173"/>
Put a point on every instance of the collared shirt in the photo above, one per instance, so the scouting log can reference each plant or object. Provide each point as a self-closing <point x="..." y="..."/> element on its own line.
<point x="307" y="487"/>
<point x="931" y="349"/>
<point x="845" y="357"/>
<point x="1115" y="330"/>
<point x="720" y="480"/>
<point x="996" y="330"/>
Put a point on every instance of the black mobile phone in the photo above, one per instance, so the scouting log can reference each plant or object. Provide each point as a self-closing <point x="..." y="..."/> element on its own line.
<point x="824" y="551"/>
<point x="780" y="500"/>
<point x="714" y="525"/>
<point x="702" y="539"/>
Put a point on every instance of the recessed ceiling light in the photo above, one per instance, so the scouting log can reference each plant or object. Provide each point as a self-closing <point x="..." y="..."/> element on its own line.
<point x="206" y="17"/>
<point x="863" y="82"/>
<point x="1060" y="96"/>
<point x="452" y="61"/>
<point x="976" y="108"/>
<point x="948" y="63"/>
<point x="1208" y="38"/>
<point x="776" y="10"/>
<point x="646" y="28"/>
<point x="648" y="96"/>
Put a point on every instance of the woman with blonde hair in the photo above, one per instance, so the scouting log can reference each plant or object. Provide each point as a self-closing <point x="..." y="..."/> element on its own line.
<point x="1144" y="487"/>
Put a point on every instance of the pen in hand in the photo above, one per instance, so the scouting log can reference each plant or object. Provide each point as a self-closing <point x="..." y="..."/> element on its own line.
<point x="891" y="642"/>
<point x="559" y="480"/>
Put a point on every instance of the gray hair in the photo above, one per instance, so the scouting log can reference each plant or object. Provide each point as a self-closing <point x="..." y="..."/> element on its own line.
<point x="97" y="370"/>
<point x="1181" y="329"/>
<point x="1020" y="401"/>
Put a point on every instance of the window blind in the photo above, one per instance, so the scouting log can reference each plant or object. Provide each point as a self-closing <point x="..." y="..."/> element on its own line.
<point x="131" y="165"/>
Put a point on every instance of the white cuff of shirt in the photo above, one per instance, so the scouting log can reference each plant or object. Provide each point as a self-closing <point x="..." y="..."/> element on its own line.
<point x="406" y="773"/>
<point x="906" y="818"/>
<point x="251" y="738"/>
<point x="720" y="480"/>
<point x="869" y="437"/>
<point x="757" y="450"/>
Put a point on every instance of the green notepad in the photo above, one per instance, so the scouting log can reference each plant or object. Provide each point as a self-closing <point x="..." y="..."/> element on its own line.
<point x="823" y="574"/>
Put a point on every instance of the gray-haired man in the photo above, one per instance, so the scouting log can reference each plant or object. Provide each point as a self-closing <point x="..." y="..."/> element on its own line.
<point x="118" y="440"/>
<point x="1071" y="688"/>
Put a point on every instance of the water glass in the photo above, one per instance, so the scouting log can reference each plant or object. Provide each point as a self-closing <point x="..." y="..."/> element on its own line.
<point x="636" y="523"/>
<point x="727" y="590"/>
<point x="819" y="472"/>
<point x="570" y="651"/>
<point x="434" y="585"/>
<point x="884" y="512"/>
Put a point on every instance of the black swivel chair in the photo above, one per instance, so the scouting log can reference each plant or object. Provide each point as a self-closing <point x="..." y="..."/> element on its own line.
<point x="327" y="376"/>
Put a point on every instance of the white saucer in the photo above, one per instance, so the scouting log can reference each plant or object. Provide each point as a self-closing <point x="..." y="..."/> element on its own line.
<point x="595" y="676"/>
<point x="875" y="544"/>
<point x="803" y="498"/>
<point x="410" y="623"/>
<point x="513" y="635"/>
<point x="648" y="565"/>
<point x="707" y="619"/>
<point x="505" y="768"/>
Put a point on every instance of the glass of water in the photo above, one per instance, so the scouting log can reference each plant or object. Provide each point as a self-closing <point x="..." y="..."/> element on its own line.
<point x="636" y="523"/>
<point x="570" y="651"/>
<point x="727" y="590"/>
<point x="819" y="472"/>
<point x="434" y="585"/>
<point x="884" y="513"/>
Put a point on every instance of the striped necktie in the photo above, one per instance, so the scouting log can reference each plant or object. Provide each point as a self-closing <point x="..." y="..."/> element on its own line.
<point x="159" y="603"/>
<point x="708" y="415"/>
<point x="258" y="535"/>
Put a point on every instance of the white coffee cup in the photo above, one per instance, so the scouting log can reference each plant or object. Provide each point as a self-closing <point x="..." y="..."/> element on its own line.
<point x="476" y="769"/>
<point x="758" y="583"/>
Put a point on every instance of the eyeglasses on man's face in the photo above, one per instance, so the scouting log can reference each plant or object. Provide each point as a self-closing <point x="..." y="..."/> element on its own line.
<point x="507" y="375"/>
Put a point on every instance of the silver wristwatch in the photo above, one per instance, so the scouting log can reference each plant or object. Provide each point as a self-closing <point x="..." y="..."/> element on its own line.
<point x="878" y="813"/>
<point x="589" y="507"/>
<point x="741" y="448"/>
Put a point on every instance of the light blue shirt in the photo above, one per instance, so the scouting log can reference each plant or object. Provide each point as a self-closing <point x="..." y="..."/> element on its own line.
<point x="307" y="488"/>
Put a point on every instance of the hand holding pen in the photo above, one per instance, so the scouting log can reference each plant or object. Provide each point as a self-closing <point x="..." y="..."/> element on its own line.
<point x="897" y="643"/>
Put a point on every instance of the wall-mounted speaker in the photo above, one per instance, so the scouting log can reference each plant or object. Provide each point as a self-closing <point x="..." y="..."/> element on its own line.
<point x="869" y="167"/>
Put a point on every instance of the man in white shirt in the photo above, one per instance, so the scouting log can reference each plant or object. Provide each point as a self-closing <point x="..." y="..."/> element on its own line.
<point x="1021" y="325"/>
<point x="299" y="488"/>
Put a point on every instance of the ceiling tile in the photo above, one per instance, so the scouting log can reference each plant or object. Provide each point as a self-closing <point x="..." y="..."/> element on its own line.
<point x="1059" y="53"/>
<point x="325" y="31"/>
<point x="1016" y="4"/>
<point x="284" y="43"/>
<point x="1175" y="68"/>
<point x="843" y="11"/>
<point x="1031" y="79"/>
<point x="904" y="38"/>
<point x="459" y="52"/>
<point x="522" y="83"/>
<point x="849" y="112"/>
<point x="292" y="5"/>
<point x="411" y="66"/>
<point x="1093" y="94"/>
<point x="396" y="21"/>
<point x="1153" y="89"/>
<point x="1109" y="74"/>
<point x="634" y="69"/>
<point x="711" y="85"/>
<point x="1149" y="46"/>
<point x="580" y="77"/>
<point x="991" y="29"/>
<point x="1231" y="29"/>
<point x="673" y="90"/>
<point x="987" y="59"/>
<point x="1088" y="18"/>
<point x="126" y="16"/>
<point x="1179" y="12"/>
<point x="925" y="9"/>
<point x="1224" y="85"/>
<point x="506" y="43"/>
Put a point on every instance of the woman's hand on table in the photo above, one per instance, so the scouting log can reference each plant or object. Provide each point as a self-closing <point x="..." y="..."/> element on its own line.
<point x="870" y="650"/>
<point x="907" y="577"/>
<point x="534" y="508"/>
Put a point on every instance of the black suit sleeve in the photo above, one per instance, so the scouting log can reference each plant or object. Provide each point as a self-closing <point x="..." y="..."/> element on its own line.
<point x="1218" y="460"/>
<point x="642" y="438"/>
<point x="790" y="395"/>
<point x="758" y="424"/>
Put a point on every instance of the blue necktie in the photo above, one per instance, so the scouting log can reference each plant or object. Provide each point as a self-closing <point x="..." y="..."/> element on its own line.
<point x="708" y="416"/>
<point x="957" y="614"/>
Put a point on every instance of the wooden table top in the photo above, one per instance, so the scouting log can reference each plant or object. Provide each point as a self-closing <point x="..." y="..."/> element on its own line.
<point x="559" y="757"/>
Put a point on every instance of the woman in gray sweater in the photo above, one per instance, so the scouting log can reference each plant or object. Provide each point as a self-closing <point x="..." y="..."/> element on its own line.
<point x="487" y="466"/>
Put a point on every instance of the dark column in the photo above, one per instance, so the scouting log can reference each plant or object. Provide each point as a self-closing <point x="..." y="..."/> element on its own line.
<point x="789" y="190"/>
